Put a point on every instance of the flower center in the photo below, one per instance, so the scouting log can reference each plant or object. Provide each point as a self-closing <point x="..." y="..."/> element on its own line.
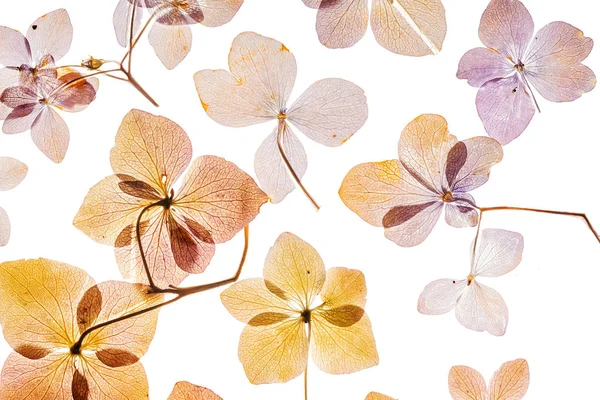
<point x="520" y="66"/>
<point x="470" y="279"/>
<point x="306" y="316"/>
<point x="447" y="197"/>
<point x="282" y="115"/>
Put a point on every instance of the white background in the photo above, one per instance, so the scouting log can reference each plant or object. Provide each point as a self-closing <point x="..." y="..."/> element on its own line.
<point x="552" y="296"/>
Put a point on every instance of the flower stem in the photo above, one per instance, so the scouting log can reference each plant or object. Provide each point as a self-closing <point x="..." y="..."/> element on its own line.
<point x="280" y="133"/>
<point x="537" y="210"/>
<point x="306" y="369"/>
<point x="179" y="292"/>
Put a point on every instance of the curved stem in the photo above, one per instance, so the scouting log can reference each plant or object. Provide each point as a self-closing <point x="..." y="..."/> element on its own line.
<point x="139" y="35"/>
<point x="553" y="212"/>
<point x="179" y="292"/>
<point x="138" y="237"/>
<point x="139" y="87"/>
<point x="280" y="133"/>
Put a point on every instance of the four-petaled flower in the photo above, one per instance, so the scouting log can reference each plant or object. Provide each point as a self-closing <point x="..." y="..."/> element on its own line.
<point x="514" y="58"/>
<point x="178" y="229"/>
<point x="278" y="309"/>
<point x="434" y="171"/>
<point x="46" y="308"/>
<point x="477" y="306"/>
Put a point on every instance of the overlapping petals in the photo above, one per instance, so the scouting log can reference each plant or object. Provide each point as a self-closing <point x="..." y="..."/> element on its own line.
<point x="477" y="306"/>
<point x="407" y="27"/>
<point x="510" y="382"/>
<point x="516" y="60"/>
<point x="256" y="89"/>
<point x="171" y="35"/>
<point x="44" y="364"/>
<point x="178" y="231"/>
<point x="434" y="171"/>
<point x="297" y="291"/>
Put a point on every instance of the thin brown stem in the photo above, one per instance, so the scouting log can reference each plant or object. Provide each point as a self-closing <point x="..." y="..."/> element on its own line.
<point x="553" y="212"/>
<point x="139" y="35"/>
<point x="203" y="288"/>
<point x="139" y="87"/>
<point x="138" y="237"/>
<point x="180" y="293"/>
<point x="280" y="133"/>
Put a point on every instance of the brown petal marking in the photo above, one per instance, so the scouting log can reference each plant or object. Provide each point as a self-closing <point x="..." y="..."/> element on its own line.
<point x="32" y="352"/>
<point x="457" y="156"/>
<point x="344" y="316"/>
<point x="276" y="290"/>
<point x="399" y="215"/>
<point x="127" y="235"/>
<point x="79" y="386"/>
<point x="89" y="308"/>
<point x="186" y="12"/>
<point x="138" y="189"/>
<point x="268" y="318"/>
<point x="190" y="255"/>
<point x="198" y="231"/>
<point x="116" y="358"/>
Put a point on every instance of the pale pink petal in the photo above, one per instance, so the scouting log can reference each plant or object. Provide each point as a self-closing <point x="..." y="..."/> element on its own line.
<point x="312" y="3"/>
<point x="460" y="213"/>
<point x="481" y="308"/>
<point x="505" y="108"/>
<point x="12" y="172"/>
<point x="171" y="43"/>
<point x="342" y="23"/>
<point x="330" y="111"/>
<point x="408" y="27"/>
<point x="498" y="252"/>
<point x="271" y="171"/>
<point x="219" y="12"/>
<point x="506" y="26"/>
<point x="553" y="62"/>
<point x="266" y="66"/>
<point x="409" y="226"/>
<point x="52" y="34"/>
<point x="50" y="134"/>
<point x="122" y="19"/>
<point x="4" y="227"/>
<point x="440" y="297"/>
<point x="480" y="155"/>
<point x="229" y="103"/>
<point x="480" y="65"/>
<point x="21" y="118"/>
<point x="14" y="51"/>
<point x="8" y="77"/>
